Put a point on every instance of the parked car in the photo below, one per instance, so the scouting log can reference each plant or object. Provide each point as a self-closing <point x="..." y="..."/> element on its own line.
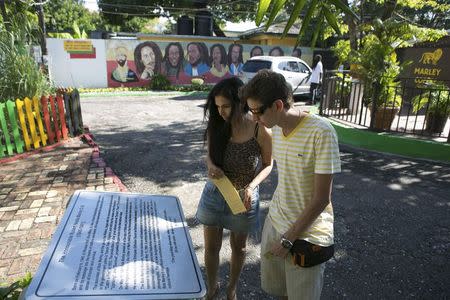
<point x="296" y="72"/>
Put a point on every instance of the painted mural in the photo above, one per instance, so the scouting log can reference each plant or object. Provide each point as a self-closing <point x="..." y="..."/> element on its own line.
<point x="133" y="63"/>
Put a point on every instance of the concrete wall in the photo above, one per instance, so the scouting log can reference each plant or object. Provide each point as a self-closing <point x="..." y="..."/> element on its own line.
<point x="77" y="72"/>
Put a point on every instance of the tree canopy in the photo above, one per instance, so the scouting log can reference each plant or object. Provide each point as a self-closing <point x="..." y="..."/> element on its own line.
<point x="118" y="13"/>
<point x="326" y="17"/>
<point x="60" y="15"/>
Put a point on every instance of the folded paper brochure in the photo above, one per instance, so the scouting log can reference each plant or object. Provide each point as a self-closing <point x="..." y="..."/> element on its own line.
<point x="230" y="194"/>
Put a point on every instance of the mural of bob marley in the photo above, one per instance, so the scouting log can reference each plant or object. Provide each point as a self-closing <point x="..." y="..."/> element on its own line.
<point x="147" y="57"/>
<point x="197" y="59"/>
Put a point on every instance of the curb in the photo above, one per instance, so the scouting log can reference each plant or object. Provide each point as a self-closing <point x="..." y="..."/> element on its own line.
<point x="95" y="157"/>
<point x="391" y="144"/>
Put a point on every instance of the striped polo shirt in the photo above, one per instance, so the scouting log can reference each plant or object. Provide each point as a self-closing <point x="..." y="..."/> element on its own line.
<point x="312" y="147"/>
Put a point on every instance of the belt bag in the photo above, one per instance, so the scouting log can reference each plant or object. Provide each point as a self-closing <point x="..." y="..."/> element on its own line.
<point x="306" y="254"/>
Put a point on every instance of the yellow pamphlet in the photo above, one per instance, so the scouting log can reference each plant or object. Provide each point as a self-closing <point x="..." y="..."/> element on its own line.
<point x="230" y="194"/>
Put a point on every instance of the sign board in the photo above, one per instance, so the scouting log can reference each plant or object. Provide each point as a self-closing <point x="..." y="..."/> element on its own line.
<point x="119" y="246"/>
<point x="426" y="63"/>
<point x="73" y="46"/>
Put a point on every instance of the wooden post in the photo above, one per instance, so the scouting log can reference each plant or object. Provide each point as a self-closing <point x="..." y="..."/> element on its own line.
<point x="48" y="125"/>
<point x="18" y="142"/>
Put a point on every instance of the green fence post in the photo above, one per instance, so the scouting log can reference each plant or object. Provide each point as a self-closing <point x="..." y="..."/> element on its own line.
<point x="7" y="147"/>
<point x="11" y="107"/>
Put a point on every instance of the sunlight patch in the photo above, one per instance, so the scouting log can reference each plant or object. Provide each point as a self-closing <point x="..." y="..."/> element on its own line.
<point x="395" y="186"/>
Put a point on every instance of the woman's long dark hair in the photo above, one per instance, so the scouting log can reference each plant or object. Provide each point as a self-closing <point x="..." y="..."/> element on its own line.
<point x="316" y="60"/>
<point x="218" y="131"/>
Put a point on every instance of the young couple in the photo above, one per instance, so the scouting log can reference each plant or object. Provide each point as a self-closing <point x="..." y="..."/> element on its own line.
<point x="239" y="119"/>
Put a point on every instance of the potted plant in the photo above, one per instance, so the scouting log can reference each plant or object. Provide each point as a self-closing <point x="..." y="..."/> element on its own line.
<point x="377" y="66"/>
<point x="436" y="102"/>
<point x="375" y="63"/>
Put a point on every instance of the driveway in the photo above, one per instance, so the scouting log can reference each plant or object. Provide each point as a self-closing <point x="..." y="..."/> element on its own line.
<point x="392" y="220"/>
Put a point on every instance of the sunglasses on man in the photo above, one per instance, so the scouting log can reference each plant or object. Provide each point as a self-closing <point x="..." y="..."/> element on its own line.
<point x="260" y="110"/>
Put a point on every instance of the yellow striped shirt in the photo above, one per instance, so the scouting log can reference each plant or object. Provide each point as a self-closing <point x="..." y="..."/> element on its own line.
<point x="311" y="148"/>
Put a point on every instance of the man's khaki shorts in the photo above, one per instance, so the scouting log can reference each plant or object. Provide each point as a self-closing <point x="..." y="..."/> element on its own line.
<point x="280" y="277"/>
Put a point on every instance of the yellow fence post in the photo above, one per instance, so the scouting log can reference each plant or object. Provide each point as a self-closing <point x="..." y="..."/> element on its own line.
<point x="23" y="124"/>
<point x="30" y="116"/>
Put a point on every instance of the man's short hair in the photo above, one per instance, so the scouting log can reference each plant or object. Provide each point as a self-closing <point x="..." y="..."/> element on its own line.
<point x="267" y="87"/>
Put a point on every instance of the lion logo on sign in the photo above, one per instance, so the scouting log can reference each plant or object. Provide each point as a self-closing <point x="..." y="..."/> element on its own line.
<point x="431" y="57"/>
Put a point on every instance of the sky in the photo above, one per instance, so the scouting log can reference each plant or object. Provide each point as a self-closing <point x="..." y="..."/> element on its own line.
<point x="242" y="26"/>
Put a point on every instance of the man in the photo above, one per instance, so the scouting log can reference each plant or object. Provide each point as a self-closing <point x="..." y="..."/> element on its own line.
<point x="123" y="73"/>
<point x="305" y="148"/>
<point x="235" y="60"/>
<point x="197" y="59"/>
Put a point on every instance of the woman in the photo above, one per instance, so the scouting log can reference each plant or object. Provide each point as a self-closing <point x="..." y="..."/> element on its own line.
<point x="147" y="58"/>
<point x="235" y="145"/>
<point x="316" y="76"/>
<point x="218" y="58"/>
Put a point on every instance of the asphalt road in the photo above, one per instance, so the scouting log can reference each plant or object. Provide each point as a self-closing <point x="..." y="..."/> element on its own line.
<point x="392" y="214"/>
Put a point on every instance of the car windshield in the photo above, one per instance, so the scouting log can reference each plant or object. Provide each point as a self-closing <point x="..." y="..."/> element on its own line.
<point x="253" y="66"/>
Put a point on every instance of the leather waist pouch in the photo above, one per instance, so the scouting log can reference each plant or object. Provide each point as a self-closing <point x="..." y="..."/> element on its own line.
<point x="306" y="254"/>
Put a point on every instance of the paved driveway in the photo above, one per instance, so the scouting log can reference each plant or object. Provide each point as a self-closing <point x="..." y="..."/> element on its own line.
<point x="392" y="214"/>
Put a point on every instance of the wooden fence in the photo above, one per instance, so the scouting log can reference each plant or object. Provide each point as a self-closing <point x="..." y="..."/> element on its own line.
<point x="34" y="123"/>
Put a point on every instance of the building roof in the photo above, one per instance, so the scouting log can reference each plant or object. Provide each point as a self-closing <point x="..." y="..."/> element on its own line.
<point x="276" y="29"/>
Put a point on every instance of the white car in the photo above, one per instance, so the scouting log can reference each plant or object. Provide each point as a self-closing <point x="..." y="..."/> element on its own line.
<point x="296" y="72"/>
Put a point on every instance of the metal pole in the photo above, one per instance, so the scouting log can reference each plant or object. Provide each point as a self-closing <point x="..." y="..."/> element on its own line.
<point x="40" y="12"/>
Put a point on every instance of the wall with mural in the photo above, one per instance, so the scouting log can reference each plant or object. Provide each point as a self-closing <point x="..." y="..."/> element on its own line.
<point x="114" y="63"/>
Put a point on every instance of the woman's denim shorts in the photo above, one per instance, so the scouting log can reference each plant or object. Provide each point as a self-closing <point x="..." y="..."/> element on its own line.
<point x="213" y="210"/>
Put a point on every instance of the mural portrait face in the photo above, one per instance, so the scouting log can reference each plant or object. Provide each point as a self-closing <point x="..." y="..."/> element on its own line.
<point x="148" y="58"/>
<point x="193" y="54"/>
<point x="174" y="55"/>
<point x="121" y="56"/>
<point x="235" y="51"/>
<point x="297" y="53"/>
<point x="256" y="51"/>
<point x="216" y="55"/>
<point x="276" y="51"/>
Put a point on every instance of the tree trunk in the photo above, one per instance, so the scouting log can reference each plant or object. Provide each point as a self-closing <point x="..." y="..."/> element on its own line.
<point x="352" y="30"/>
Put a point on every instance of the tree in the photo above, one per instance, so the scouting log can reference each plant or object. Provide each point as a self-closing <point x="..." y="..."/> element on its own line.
<point x="355" y="14"/>
<point x="60" y="16"/>
<point x="21" y="75"/>
<point x="323" y="12"/>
